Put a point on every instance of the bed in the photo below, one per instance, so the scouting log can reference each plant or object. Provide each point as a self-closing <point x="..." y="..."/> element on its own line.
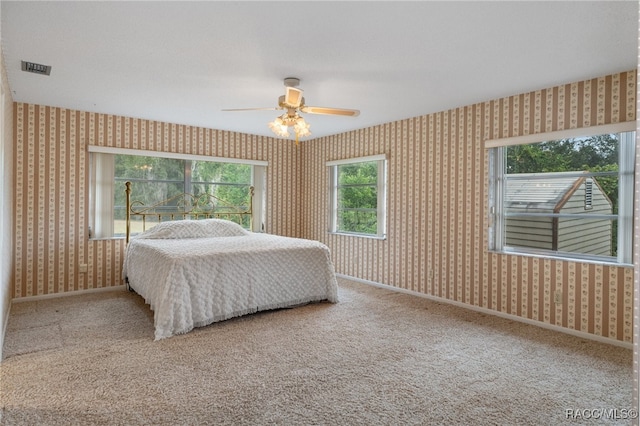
<point x="195" y="268"/>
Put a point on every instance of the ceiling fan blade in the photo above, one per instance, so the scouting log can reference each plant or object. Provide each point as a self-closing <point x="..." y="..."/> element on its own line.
<point x="252" y="109"/>
<point x="293" y="97"/>
<point x="330" y="111"/>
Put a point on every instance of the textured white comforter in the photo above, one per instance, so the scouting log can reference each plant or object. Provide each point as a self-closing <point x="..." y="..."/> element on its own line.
<point x="194" y="282"/>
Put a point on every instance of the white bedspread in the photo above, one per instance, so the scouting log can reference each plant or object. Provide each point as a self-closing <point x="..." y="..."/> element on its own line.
<point x="194" y="282"/>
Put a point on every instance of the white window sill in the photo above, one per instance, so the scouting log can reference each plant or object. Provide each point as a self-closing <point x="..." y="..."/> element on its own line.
<point x="348" y="234"/>
<point x="611" y="262"/>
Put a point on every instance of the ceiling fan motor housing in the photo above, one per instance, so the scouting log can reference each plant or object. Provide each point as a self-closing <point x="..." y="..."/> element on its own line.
<point x="292" y="99"/>
<point x="292" y="82"/>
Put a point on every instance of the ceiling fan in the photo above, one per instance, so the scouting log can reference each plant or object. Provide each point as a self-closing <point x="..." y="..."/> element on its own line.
<point x="293" y="103"/>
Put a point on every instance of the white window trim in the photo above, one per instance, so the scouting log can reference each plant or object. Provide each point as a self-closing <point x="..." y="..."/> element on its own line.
<point x="625" y="204"/>
<point x="357" y="160"/>
<point x="101" y="202"/>
<point x="381" y="190"/>
<point x="627" y="126"/>
<point x="144" y="153"/>
<point x="101" y="225"/>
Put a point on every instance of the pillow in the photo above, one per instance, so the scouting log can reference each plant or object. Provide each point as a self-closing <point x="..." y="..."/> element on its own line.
<point x="194" y="229"/>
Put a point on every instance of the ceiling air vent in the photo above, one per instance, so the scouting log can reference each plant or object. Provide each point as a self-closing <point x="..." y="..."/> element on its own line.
<point x="36" y="68"/>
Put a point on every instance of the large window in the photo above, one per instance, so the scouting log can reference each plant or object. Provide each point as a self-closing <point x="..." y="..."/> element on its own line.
<point x="358" y="194"/>
<point x="157" y="177"/>
<point x="565" y="196"/>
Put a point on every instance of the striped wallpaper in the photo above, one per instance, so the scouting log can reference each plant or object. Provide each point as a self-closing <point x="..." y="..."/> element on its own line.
<point x="51" y="191"/>
<point x="437" y="202"/>
<point x="437" y="209"/>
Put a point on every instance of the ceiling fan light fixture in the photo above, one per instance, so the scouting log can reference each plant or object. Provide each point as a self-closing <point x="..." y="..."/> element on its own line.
<point x="279" y="127"/>
<point x="302" y="128"/>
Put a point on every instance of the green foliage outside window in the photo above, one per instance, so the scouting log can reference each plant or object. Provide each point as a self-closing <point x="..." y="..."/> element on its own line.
<point x="594" y="154"/>
<point x="358" y="198"/>
<point x="155" y="179"/>
<point x="564" y="155"/>
<point x="226" y="181"/>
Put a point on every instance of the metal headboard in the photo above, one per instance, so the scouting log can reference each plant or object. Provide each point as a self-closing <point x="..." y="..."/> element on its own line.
<point x="186" y="206"/>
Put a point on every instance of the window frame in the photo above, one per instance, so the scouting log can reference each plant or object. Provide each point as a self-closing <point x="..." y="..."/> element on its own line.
<point x="626" y="155"/>
<point x="103" y="200"/>
<point x="381" y="191"/>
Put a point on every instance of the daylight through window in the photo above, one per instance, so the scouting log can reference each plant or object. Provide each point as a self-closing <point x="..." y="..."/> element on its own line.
<point x="358" y="194"/>
<point x="155" y="178"/>
<point x="569" y="197"/>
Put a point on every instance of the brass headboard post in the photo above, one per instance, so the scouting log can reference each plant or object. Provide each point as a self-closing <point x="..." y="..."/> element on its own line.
<point x="251" y="192"/>
<point x="128" y="214"/>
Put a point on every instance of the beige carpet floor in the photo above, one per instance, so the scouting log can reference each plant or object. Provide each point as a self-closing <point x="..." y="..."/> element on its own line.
<point x="376" y="357"/>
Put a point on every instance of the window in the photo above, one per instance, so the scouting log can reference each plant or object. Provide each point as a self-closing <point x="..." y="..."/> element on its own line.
<point x="158" y="177"/>
<point x="358" y="196"/>
<point x="569" y="196"/>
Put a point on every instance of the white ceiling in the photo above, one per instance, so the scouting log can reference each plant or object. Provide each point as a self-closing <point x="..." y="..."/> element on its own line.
<point x="183" y="62"/>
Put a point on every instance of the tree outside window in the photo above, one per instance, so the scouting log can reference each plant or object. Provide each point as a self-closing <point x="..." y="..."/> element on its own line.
<point x="564" y="197"/>
<point x="358" y="196"/>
